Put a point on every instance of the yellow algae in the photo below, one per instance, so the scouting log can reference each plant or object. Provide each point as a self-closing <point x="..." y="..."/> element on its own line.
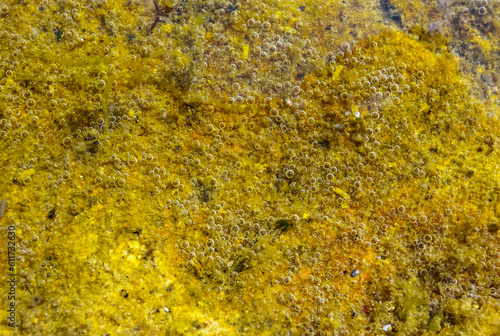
<point x="342" y="193"/>
<point x="72" y="62"/>
<point x="105" y="97"/>
<point x="337" y="72"/>
<point x="250" y="168"/>
<point x="26" y="173"/>
<point x="485" y="44"/>
<point x="244" y="53"/>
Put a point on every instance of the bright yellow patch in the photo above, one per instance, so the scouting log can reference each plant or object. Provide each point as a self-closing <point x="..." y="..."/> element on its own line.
<point x="244" y="54"/>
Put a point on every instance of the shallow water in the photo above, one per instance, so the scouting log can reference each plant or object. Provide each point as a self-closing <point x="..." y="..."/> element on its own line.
<point x="249" y="168"/>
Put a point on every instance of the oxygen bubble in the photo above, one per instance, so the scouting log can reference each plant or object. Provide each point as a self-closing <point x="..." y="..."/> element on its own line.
<point x="67" y="142"/>
<point x="100" y="84"/>
<point x="145" y="51"/>
<point x="289" y="173"/>
<point x="30" y="103"/>
<point x="27" y="181"/>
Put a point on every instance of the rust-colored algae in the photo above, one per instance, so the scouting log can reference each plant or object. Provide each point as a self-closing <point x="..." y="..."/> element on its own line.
<point x="250" y="168"/>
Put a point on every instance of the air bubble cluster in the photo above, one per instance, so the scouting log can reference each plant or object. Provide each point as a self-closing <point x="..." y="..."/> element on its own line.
<point x="264" y="166"/>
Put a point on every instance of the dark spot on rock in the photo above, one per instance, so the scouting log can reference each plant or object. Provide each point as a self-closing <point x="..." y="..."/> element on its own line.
<point x="300" y="75"/>
<point x="493" y="228"/>
<point x="205" y="195"/>
<point x="389" y="11"/>
<point x="59" y="34"/>
<point x="325" y="144"/>
<point x="242" y="265"/>
<point x="93" y="147"/>
<point x="283" y="225"/>
<point x="450" y="318"/>
<point x="89" y="137"/>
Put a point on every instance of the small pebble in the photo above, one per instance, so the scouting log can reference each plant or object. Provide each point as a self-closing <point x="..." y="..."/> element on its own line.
<point x="354" y="273"/>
